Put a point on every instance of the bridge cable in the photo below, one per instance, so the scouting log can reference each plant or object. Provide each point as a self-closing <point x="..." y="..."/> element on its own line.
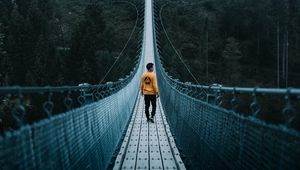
<point x="126" y="44"/>
<point x="130" y="37"/>
<point x="180" y="58"/>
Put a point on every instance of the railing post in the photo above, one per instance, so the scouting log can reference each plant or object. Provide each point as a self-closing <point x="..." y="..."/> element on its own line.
<point x="68" y="101"/>
<point x="289" y="113"/>
<point x="48" y="105"/>
<point x="19" y="110"/>
<point x="255" y="107"/>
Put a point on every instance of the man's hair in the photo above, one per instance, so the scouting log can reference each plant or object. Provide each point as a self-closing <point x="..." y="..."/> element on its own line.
<point x="149" y="66"/>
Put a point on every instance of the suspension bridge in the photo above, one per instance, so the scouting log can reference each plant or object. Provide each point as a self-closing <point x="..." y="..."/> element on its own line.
<point x="192" y="129"/>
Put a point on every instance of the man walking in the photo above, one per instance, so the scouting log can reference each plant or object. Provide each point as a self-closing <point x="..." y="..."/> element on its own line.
<point x="150" y="91"/>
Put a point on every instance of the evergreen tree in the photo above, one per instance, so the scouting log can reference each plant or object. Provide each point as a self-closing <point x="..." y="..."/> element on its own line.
<point x="23" y="6"/>
<point x="16" y="43"/>
<point x="44" y="66"/>
<point x="5" y="65"/>
<point x="232" y="66"/>
<point x="37" y="34"/>
<point x="85" y="72"/>
<point x="267" y="32"/>
<point x="87" y="40"/>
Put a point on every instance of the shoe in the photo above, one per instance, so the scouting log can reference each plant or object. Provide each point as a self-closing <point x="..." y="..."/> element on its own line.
<point x="148" y="120"/>
<point x="151" y="120"/>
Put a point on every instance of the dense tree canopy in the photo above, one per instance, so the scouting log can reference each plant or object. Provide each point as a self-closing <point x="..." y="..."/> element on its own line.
<point x="58" y="42"/>
<point x="234" y="42"/>
<point x="62" y="42"/>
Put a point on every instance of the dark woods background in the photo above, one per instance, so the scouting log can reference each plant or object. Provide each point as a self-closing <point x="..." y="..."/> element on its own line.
<point x="245" y="43"/>
<point x="231" y="42"/>
<point x="59" y="42"/>
<point x="234" y="42"/>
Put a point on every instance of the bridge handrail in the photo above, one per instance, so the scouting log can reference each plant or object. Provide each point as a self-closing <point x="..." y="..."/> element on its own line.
<point x="40" y="89"/>
<point x="257" y="90"/>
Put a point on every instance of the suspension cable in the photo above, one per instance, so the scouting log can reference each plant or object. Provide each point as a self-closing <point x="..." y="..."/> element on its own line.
<point x="126" y="44"/>
<point x="177" y="53"/>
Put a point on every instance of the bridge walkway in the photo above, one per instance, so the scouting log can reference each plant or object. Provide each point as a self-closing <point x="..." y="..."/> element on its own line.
<point x="148" y="145"/>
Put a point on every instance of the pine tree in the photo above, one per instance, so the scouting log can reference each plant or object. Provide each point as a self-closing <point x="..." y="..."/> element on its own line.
<point x="232" y="66"/>
<point x="44" y="68"/>
<point x="85" y="72"/>
<point x="5" y="65"/>
<point x="87" y="40"/>
<point x="16" y="37"/>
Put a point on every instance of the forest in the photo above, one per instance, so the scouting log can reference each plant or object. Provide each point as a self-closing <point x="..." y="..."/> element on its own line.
<point x="238" y="43"/>
<point x="232" y="42"/>
<point x="63" y="42"/>
<point x="246" y="43"/>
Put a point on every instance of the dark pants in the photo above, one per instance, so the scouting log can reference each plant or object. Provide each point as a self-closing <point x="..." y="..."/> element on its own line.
<point x="148" y="99"/>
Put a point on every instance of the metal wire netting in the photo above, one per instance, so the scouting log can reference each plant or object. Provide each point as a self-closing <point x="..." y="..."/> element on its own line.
<point x="212" y="137"/>
<point x="83" y="138"/>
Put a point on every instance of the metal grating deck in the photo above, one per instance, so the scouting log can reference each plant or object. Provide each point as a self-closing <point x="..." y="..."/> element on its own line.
<point x="148" y="145"/>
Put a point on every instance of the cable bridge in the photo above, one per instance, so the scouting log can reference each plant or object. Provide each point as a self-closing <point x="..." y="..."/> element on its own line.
<point x="192" y="129"/>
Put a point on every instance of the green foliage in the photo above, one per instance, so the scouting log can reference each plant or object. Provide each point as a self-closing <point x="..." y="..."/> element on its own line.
<point x="61" y="42"/>
<point x="5" y="64"/>
<point x="203" y="29"/>
<point x="55" y="42"/>
<point x="87" y="38"/>
<point x="231" y="57"/>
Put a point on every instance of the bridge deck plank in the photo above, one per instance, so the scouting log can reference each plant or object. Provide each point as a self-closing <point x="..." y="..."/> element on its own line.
<point x="148" y="145"/>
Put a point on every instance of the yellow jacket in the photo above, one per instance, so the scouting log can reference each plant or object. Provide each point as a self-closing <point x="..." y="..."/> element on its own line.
<point x="149" y="83"/>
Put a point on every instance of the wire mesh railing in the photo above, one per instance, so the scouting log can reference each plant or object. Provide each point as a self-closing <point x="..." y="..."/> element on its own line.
<point x="81" y="138"/>
<point x="40" y="102"/>
<point x="212" y="131"/>
<point x="81" y="127"/>
<point x="85" y="137"/>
